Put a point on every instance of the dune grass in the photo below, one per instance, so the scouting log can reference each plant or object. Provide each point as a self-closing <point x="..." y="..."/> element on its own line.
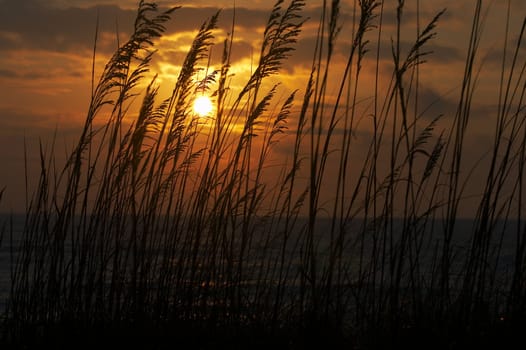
<point x="185" y="230"/>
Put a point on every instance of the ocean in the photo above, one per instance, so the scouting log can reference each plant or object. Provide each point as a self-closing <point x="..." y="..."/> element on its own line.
<point x="355" y="251"/>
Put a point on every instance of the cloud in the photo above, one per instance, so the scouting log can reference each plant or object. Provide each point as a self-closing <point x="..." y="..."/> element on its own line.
<point x="62" y="30"/>
<point x="38" y="74"/>
<point x="72" y="29"/>
<point x="8" y="73"/>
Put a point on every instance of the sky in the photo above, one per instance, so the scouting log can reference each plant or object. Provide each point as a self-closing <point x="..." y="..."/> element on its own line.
<point x="46" y="58"/>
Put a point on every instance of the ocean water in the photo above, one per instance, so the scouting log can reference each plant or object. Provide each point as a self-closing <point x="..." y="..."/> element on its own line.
<point x="11" y="229"/>
<point x="428" y="241"/>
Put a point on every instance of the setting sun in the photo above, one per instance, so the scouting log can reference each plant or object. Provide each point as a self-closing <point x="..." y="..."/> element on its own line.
<point x="203" y="106"/>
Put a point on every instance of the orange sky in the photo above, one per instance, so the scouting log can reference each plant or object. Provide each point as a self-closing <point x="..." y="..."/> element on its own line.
<point x="46" y="47"/>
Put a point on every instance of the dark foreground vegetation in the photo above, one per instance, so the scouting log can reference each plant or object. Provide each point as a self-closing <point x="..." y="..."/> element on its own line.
<point x="164" y="229"/>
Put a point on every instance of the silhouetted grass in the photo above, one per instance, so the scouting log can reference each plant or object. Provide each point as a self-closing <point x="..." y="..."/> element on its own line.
<point x="174" y="230"/>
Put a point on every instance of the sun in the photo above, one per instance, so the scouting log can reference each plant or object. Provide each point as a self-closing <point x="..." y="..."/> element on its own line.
<point x="203" y="106"/>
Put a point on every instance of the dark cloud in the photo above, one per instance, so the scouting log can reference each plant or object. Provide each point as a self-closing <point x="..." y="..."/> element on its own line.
<point x="62" y="30"/>
<point x="433" y="51"/>
<point x="6" y="73"/>
<point x="191" y="18"/>
<point x="516" y="47"/>
<point x="73" y="29"/>
<point x="409" y="15"/>
<point x="433" y="103"/>
<point x="438" y="52"/>
<point x="42" y="74"/>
